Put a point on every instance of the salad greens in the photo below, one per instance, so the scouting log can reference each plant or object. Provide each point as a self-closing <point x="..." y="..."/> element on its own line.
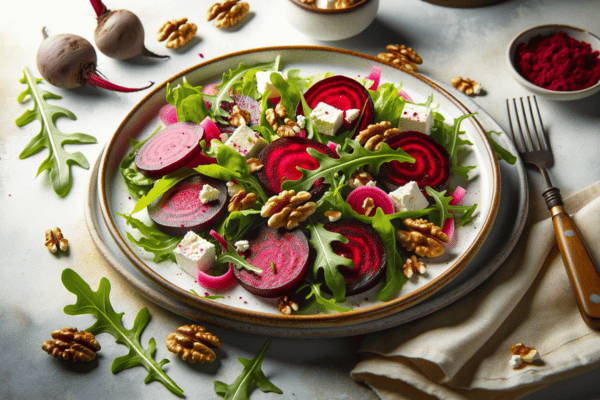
<point x="109" y="321"/>
<point x="59" y="161"/>
<point x="250" y="376"/>
<point x="334" y="173"/>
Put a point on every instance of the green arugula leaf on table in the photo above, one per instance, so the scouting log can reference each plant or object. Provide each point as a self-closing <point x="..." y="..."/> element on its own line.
<point x="315" y="294"/>
<point x="153" y="240"/>
<point x="326" y="259"/>
<point x="59" y="160"/>
<point x="251" y="375"/>
<point x="109" y="321"/>
<point x="347" y="164"/>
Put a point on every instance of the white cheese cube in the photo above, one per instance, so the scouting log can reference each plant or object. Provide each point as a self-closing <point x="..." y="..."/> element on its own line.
<point x="351" y="114"/>
<point x="327" y="119"/>
<point x="263" y="80"/>
<point x="208" y="194"/>
<point x="241" y="246"/>
<point x="409" y="198"/>
<point x="246" y="142"/>
<point x="194" y="253"/>
<point x="416" y="118"/>
<point x="233" y="188"/>
<point x="301" y="121"/>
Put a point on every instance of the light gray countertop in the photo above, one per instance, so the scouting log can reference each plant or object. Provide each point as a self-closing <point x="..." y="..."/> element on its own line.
<point x="452" y="42"/>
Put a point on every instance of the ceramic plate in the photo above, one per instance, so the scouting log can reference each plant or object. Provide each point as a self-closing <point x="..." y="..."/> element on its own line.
<point x="237" y="304"/>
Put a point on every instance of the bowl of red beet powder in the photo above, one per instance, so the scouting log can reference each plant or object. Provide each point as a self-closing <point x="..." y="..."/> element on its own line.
<point x="559" y="62"/>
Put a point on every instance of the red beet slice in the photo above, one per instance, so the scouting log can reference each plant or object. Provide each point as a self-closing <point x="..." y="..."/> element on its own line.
<point x="281" y="159"/>
<point x="246" y="103"/>
<point x="380" y="198"/>
<point x="170" y="149"/>
<point x="180" y="210"/>
<point x="365" y="248"/>
<point x="342" y="93"/>
<point x="432" y="166"/>
<point x="283" y="257"/>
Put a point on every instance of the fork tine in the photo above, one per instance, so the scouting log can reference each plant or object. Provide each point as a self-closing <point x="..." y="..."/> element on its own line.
<point x="541" y="133"/>
<point x="529" y="142"/>
<point x="520" y="139"/>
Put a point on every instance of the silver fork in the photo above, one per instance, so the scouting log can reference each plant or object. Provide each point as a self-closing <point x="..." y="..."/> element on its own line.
<point x="532" y="143"/>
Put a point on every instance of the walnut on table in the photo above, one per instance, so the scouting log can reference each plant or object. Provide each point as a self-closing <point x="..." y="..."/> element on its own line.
<point x="194" y="344"/>
<point x="55" y="240"/>
<point x="522" y="354"/>
<point x="228" y="13"/>
<point x="466" y="85"/>
<point x="72" y="345"/>
<point x="402" y="56"/>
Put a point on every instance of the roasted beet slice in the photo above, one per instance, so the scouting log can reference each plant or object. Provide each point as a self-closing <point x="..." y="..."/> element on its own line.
<point x="365" y="248"/>
<point x="283" y="257"/>
<point x="180" y="210"/>
<point x="432" y="166"/>
<point x="246" y="103"/>
<point x="281" y="159"/>
<point x="170" y="149"/>
<point x="342" y="93"/>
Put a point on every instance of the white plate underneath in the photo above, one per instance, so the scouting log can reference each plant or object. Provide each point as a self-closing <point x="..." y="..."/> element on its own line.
<point x="502" y="238"/>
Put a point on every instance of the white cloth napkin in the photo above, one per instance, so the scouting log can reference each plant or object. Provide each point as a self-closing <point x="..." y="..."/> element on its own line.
<point x="462" y="351"/>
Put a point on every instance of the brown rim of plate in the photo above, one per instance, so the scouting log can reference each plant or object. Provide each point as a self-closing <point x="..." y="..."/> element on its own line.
<point x="464" y="3"/>
<point x="317" y="10"/>
<point x="361" y="315"/>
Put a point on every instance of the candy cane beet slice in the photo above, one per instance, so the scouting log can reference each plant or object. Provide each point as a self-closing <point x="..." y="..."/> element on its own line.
<point x="432" y="166"/>
<point x="365" y="248"/>
<point x="282" y="158"/>
<point x="180" y="210"/>
<point x="283" y="257"/>
<point x="342" y="93"/>
<point x="170" y="149"/>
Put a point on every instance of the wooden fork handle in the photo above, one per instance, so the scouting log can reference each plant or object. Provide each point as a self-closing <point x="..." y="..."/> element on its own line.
<point x="582" y="272"/>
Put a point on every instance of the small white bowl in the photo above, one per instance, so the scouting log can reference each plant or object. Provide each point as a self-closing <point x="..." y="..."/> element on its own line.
<point x="330" y="24"/>
<point x="547" y="30"/>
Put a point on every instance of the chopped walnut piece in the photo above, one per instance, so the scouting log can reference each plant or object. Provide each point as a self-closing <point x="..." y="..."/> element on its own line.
<point x="241" y="201"/>
<point x="227" y="13"/>
<point x="422" y="237"/>
<point x="238" y="117"/>
<point x="286" y="305"/>
<point x="340" y="4"/>
<point x="288" y="209"/>
<point x="287" y="128"/>
<point x="72" y="345"/>
<point x="402" y="56"/>
<point x="361" y="178"/>
<point x="333" y="215"/>
<point x="193" y="343"/>
<point x="255" y="164"/>
<point x="55" y="240"/>
<point x="367" y="206"/>
<point x="412" y="266"/>
<point x="373" y="135"/>
<point x="466" y="85"/>
<point x="527" y="354"/>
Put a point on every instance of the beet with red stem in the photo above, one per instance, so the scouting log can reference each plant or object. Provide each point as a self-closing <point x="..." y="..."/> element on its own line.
<point x="69" y="61"/>
<point x="120" y="33"/>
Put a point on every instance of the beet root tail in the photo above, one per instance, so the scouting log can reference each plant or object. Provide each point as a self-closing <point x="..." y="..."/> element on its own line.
<point x="148" y="53"/>
<point x="96" y="80"/>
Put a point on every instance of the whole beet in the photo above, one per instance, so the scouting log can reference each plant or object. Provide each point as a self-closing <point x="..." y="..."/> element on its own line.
<point x="69" y="61"/>
<point x="119" y="33"/>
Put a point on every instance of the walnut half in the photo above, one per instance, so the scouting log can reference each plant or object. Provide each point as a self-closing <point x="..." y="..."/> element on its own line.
<point x="422" y="237"/>
<point x="193" y="343"/>
<point x="72" y="345"/>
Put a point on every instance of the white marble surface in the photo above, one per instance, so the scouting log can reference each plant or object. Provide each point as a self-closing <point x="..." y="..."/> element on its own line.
<point x="467" y="42"/>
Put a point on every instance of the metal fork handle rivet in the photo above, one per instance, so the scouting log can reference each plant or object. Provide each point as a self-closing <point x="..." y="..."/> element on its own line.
<point x="552" y="197"/>
<point x="595" y="298"/>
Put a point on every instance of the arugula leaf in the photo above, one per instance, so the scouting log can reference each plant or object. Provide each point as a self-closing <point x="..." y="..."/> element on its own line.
<point x="108" y="321"/>
<point x="230" y="255"/>
<point x="251" y="375"/>
<point x="326" y="259"/>
<point x="315" y="292"/>
<point x="301" y="82"/>
<point x="237" y="223"/>
<point x="388" y="103"/>
<point x="137" y="183"/>
<point x="160" y="187"/>
<point x="290" y="94"/>
<point x="449" y="137"/>
<point x="207" y="296"/>
<point x="461" y="214"/>
<point x="347" y="164"/>
<point x="59" y="160"/>
<point x="188" y="101"/>
<point x="501" y="152"/>
<point x="232" y="165"/>
<point x="154" y="240"/>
